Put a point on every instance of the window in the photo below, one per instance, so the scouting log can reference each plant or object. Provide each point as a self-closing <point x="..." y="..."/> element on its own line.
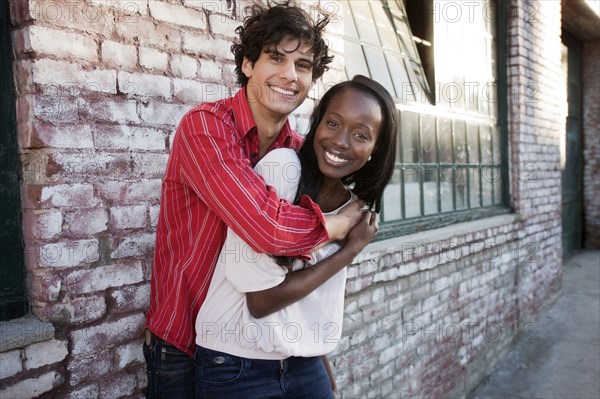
<point x="12" y="279"/>
<point x="439" y="60"/>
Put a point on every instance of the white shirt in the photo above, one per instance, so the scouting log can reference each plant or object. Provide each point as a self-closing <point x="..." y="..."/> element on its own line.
<point x="310" y="327"/>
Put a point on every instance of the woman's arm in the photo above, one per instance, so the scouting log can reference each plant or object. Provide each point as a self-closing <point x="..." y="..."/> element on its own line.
<point x="299" y="284"/>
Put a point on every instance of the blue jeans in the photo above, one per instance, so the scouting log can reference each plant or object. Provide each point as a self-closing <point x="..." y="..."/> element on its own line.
<point x="170" y="371"/>
<point x="221" y="375"/>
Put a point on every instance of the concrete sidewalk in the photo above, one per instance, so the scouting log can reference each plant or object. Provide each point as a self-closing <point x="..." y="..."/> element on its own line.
<point x="564" y="363"/>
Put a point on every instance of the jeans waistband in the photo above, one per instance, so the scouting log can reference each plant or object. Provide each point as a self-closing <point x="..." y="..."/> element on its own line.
<point x="152" y="338"/>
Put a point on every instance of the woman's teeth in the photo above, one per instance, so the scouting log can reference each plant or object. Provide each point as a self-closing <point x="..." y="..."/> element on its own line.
<point x="335" y="159"/>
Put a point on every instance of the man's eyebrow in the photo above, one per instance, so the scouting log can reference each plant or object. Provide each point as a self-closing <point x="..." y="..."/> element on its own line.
<point x="283" y="54"/>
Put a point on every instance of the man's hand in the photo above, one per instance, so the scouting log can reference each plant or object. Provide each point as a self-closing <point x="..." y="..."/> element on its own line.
<point x="339" y="225"/>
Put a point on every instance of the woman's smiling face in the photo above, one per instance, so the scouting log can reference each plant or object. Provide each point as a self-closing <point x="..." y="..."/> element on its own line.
<point x="347" y="134"/>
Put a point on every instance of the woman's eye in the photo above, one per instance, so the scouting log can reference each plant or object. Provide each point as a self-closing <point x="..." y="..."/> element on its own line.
<point x="332" y="123"/>
<point x="362" y="136"/>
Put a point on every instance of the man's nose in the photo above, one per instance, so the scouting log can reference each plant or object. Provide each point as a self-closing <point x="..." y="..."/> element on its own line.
<point x="289" y="71"/>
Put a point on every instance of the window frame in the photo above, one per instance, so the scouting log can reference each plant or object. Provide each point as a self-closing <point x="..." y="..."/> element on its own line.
<point x="403" y="226"/>
<point x="13" y="301"/>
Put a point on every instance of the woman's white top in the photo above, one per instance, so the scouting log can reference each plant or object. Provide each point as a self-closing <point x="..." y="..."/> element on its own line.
<point x="310" y="327"/>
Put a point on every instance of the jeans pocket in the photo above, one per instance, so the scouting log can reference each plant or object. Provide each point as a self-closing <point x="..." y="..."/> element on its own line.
<point x="219" y="368"/>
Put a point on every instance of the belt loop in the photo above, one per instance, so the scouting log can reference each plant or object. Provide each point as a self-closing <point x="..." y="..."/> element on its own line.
<point x="148" y="337"/>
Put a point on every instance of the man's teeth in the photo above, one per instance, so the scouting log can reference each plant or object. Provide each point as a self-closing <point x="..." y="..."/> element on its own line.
<point x="335" y="158"/>
<point x="283" y="91"/>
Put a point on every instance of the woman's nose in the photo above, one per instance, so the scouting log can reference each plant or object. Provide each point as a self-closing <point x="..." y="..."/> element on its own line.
<point x="341" y="139"/>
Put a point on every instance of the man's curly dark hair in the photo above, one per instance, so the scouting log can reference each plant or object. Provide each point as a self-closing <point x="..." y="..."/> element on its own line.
<point x="266" y="25"/>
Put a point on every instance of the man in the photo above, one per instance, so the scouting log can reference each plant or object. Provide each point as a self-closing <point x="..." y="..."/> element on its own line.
<point x="209" y="185"/>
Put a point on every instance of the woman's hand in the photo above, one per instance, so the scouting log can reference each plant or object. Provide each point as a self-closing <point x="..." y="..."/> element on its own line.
<point x="363" y="232"/>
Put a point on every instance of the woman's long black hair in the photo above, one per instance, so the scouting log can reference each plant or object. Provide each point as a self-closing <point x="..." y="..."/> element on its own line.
<point x="370" y="180"/>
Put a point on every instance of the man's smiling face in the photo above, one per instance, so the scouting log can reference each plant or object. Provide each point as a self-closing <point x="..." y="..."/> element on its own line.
<point x="279" y="80"/>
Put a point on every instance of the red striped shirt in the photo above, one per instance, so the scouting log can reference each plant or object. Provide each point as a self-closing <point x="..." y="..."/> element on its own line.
<point x="210" y="185"/>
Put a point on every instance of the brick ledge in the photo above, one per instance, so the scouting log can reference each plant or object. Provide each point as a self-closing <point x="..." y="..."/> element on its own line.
<point x="24" y="331"/>
<point x="379" y="248"/>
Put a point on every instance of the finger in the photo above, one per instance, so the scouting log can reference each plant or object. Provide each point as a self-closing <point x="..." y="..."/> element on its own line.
<point x="366" y="217"/>
<point x="374" y="218"/>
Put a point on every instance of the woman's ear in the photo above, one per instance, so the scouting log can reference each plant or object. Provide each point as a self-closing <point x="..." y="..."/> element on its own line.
<point x="247" y="67"/>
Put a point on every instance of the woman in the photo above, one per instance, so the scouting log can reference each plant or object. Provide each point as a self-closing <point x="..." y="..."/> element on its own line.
<point x="250" y="343"/>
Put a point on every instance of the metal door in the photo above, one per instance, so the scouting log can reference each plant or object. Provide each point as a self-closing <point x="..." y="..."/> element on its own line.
<point x="572" y="230"/>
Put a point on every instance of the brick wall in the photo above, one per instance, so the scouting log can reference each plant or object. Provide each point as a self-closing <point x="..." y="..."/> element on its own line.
<point x="591" y="144"/>
<point x="429" y="315"/>
<point x="101" y="86"/>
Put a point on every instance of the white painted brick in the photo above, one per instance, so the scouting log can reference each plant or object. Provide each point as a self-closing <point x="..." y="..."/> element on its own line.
<point x="103" y="277"/>
<point x="157" y="113"/>
<point x="55" y="105"/>
<point x="50" y="72"/>
<point x="68" y="253"/>
<point x="194" y="92"/>
<point x="125" y="9"/>
<point x="118" y="54"/>
<point x="153" y="59"/>
<point x="51" y="41"/>
<point x="203" y="44"/>
<point x="138" y="84"/>
<point x="178" y="15"/>
<point x="63" y="136"/>
<point x="32" y="387"/>
<point x="146" y="33"/>
<point x="82" y="368"/>
<point x="65" y="195"/>
<point x="128" y="217"/>
<point x="149" y="164"/>
<point x="211" y="71"/>
<point x="378" y="294"/>
<point x="108" y="109"/>
<point x="218" y="6"/>
<point x="184" y="66"/>
<point x="45" y="353"/>
<point x="130" y="353"/>
<point x="132" y="298"/>
<point x="49" y="224"/>
<point x="120" y="386"/>
<point x="134" y="245"/>
<point x="131" y="193"/>
<point x="95" y="338"/>
<point x="88" y="308"/>
<point x="10" y="364"/>
<point x="130" y="138"/>
<point x="86" y="222"/>
<point x="222" y="25"/>
<point x="90" y="391"/>
<point x="154" y="212"/>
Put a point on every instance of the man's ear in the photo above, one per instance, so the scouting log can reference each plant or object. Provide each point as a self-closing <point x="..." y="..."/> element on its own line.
<point x="247" y="67"/>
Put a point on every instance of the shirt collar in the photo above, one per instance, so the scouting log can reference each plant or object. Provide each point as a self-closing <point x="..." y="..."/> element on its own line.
<point x="244" y="121"/>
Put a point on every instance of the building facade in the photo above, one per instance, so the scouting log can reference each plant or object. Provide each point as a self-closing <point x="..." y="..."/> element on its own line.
<point x="497" y="180"/>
